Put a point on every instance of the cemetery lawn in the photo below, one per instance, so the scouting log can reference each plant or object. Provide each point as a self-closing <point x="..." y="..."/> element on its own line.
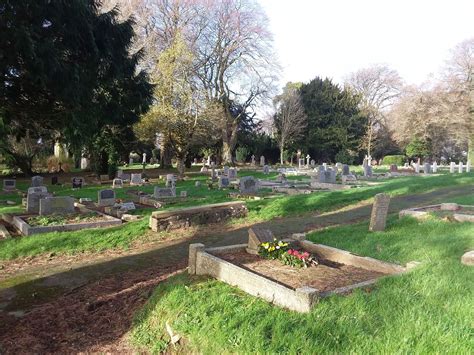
<point x="123" y="237"/>
<point x="427" y="310"/>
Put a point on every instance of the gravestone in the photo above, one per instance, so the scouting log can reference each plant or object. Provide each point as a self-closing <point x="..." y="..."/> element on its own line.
<point x="213" y="174"/>
<point x="232" y="173"/>
<point x="226" y="170"/>
<point x="128" y="206"/>
<point x="266" y="169"/>
<point x="262" y="160"/>
<point x="281" y="178"/>
<point x="248" y="185"/>
<point x="54" y="180"/>
<point x="427" y="168"/>
<point x="77" y="182"/>
<point x="321" y="169"/>
<point x="104" y="177"/>
<point x="258" y="236"/>
<point x="160" y="192"/>
<point x="327" y="176"/>
<point x="345" y="169"/>
<point x="313" y="163"/>
<point x="300" y="163"/>
<point x="106" y="198"/>
<point x="434" y="167"/>
<point x="253" y="160"/>
<point x="417" y="167"/>
<point x="367" y="170"/>
<point x="204" y="169"/>
<point x="170" y="178"/>
<point x="452" y="167"/>
<point x="339" y="166"/>
<point x="307" y="160"/>
<point x="136" y="179"/>
<point x="378" y="218"/>
<point x="468" y="167"/>
<point x="197" y="184"/>
<point x="460" y="167"/>
<point x="183" y="194"/>
<point x="223" y="182"/>
<point x="33" y="201"/>
<point x="9" y="184"/>
<point x="42" y="189"/>
<point x="84" y="163"/>
<point x="119" y="173"/>
<point x="126" y="177"/>
<point x="117" y="183"/>
<point x="393" y="168"/>
<point x="56" y="205"/>
<point x="36" y="181"/>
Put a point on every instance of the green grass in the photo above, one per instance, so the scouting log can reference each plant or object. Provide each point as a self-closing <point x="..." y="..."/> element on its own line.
<point x="428" y="310"/>
<point x="262" y="210"/>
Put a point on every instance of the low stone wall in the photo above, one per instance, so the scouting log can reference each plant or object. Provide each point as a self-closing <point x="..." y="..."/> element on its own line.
<point x="184" y="218"/>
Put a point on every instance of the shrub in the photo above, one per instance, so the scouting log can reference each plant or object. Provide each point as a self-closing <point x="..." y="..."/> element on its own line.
<point x="241" y="154"/>
<point x="394" y="159"/>
<point x="344" y="157"/>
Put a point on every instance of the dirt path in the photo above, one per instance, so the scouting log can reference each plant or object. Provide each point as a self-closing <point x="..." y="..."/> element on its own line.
<point x="66" y="305"/>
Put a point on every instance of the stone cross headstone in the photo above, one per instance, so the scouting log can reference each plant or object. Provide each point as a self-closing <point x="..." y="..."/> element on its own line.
<point x="266" y="169"/>
<point x="460" y="167"/>
<point x="253" y="159"/>
<point x="378" y="218"/>
<point x="9" y="184"/>
<point x="36" y="181"/>
<point x="262" y="160"/>
<point x="427" y="168"/>
<point x="452" y="167"/>
<point x="56" y="205"/>
<point x="258" y="236"/>
<point x="136" y="179"/>
<point x="106" y="198"/>
<point x="33" y="201"/>
<point x="77" y="182"/>
<point x="144" y="158"/>
<point x="345" y="169"/>
<point x="117" y="183"/>
<point x="248" y="185"/>
<point x="232" y="173"/>
<point x="166" y="192"/>
<point x="434" y="167"/>
<point x="223" y="181"/>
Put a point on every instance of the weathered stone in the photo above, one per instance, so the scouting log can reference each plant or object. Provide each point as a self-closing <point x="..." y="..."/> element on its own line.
<point x="36" y="181"/>
<point x="468" y="258"/>
<point x="104" y="177"/>
<point x="266" y="169"/>
<point x="136" y="180"/>
<point x="37" y="189"/>
<point x="262" y="160"/>
<point x="258" y="236"/>
<point x="166" y="192"/>
<point x="232" y="173"/>
<point x="378" y="218"/>
<point x="193" y="250"/>
<point x="56" y="205"/>
<point x="117" y="183"/>
<point x="224" y="182"/>
<point x="183" y="194"/>
<point x="9" y="184"/>
<point x="248" y="185"/>
<point x="427" y="168"/>
<point x="345" y="170"/>
<point x="106" y="198"/>
<point x="77" y="182"/>
<point x="33" y="201"/>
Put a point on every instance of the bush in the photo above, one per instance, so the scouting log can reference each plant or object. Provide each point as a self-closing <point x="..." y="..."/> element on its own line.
<point x="394" y="159"/>
<point x="241" y="154"/>
<point x="344" y="157"/>
<point x="417" y="148"/>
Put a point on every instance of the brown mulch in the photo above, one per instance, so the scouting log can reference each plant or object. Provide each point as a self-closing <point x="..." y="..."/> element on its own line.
<point x="326" y="276"/>
<point x="93" y="318"/>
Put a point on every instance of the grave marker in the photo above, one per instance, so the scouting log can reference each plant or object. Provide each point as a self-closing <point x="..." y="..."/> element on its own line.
<point x="345" y="169"/>
<point x="427" y="168"/>
<point x="54" y="180"/>
<point x="136" y="179"/>
<point x="33" y="201"/>
<point x="248" y="185"/>
<point x="56" y="205"/>
<point x="77" y="182"/>
<point x="378" y="218"/>
<point x="166" y="192"/>
<point x="223" y="182"/>
<point x="232" y="173"/>
<point x="106" y="198"/>
<point x="183" y="194"/>
<point x="393" y="168"/>
<point x="452" y="166"/>
<point x="104" y="177"/>
<point x="9" y="184"/>
<point x="36" y="181"/>
<point x="32" y="190"/>
<point x="460" y="167"/>
<point x="266" y="169"/>
<point x="262" y="160"/>
<point x="117" y="183"/>
<point x="434" y="167"/>
<point x="258" y="236"/>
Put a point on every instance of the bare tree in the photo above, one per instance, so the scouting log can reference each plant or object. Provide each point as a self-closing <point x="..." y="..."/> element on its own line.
<point x="378" y="86"/>
<point x="290" y="119"/>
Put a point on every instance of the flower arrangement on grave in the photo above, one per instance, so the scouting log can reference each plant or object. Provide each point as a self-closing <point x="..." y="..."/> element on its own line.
<point x="296" y="258"/>
<point x="272" y="250"/>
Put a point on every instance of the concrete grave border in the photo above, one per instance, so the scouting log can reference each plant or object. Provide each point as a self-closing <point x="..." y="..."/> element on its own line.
<point x="423" y="212"/>
<point x="205" y="261"/>
<point x="27" y="230"/>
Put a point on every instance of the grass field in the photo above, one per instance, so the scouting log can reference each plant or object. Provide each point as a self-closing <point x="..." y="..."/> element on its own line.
<point x="262" y="210"/>
<point x="428" y="310"/>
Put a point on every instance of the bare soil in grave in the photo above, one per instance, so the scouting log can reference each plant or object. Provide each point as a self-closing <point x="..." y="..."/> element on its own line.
<point x="326" y="276"/>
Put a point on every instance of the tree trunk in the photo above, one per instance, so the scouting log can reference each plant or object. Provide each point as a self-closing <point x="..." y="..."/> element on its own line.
<point x="470" y="141"/>
<point x="282" y="147"/>
<point x="165" y="155"/>
<point x="229" y="138"/>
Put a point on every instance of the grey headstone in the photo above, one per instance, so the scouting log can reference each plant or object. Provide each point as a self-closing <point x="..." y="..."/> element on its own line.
<point x="427" y="168"/>
<point x="367" y="171"/>
<point x="77" y="182"/>
<point x="56" y="205"/>
<point x="262" y="160"/>
<point x="42" y="189"/>
<point x="345" y="169"/>
<point x="223" y="182"/>
<point x="170" y="179"/>
<point x="160" y="192"/>
<point x="248" y="185"/>
<point x="378" y="218"/>
<point x="226" y="170"/>
<point x="33" y="201"/>
<point x="258" y="236"/>
<point x="393" y="168"/>
<point x="106" y="198"/>
<point x="266" y="169"/>
<point x="328" y="176"/>
<point x="9" y="184"/>
<point x="36" y="181"/>
<point x="104" y="177"/>
<point x="117" y="183"/>
<point x="136" y="179"/>
<point x="232" y="173"/>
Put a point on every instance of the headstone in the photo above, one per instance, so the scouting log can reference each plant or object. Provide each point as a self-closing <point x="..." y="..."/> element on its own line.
<point x="160" y="192"/>
<point x="427" y="168"/>
<point x="128" y="206"/>
<point x="266" y="169"/>
<point x="452" y="167"/>
<point x="307" y="160"/>
<point x="197" y="184"/>
<point x="77" y="182"/>
<point x="321" y="169"/>
<point x="56" y="205"/>
<point x="84" y="163"/>
<point x="183" y="194"/>
<point x="281" y="178"/>
<point x="170" y="178"/>
<point x="339" y="166"/>
<point x="248" y="185"/>
<point x="9" y="184"/>
<point x="434" y="167"/>
<point x="144" y="158"/>
<point x="33" y="201"/>
<point x="345" y="169"/>
<point x="393" y="168"/>
<point x="209" y="161"/>
<point x="136" y="179"/>
<point x="117" y="183"/>
<point x="300" y="163"/>
<point x="223" y="181"/>
<point x="42" y="189"/>
<point x="258" y="236"/>
<point x="130" y="161"/>
<point x="126" y="177"/>
<point x="119" y="173"/>
<point x="468" y="167"/>
<point x="460" y="167"/>
<point x="104" y="177"/>
<point x="226" y="170"/>
<point x="204" y="169"/>
<point x="262" y="160"/>
<point x="325" y="165"/>
<point x="368" y="170"/>
<point x="253" y="160"/>
<point x="378" y="218"/>
<point x="213" y="174"/>
<point x="54" y="180"/>
<point x="36" y="181"/>
<point x="106" y="198"/>
<point x="417" y="167"/>
<point x="232" y="173"/>
<point x="312" y="163"/>
<point x="327" y="176"/>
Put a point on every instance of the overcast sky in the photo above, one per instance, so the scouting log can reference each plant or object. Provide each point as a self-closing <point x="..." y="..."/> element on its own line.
<point x="335" y="37"/>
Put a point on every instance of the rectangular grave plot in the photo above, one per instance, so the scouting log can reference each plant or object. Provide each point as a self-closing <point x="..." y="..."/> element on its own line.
<point x="19" y="221"/>
<point x="296" y="289"/>
<point x="448" y="211"/>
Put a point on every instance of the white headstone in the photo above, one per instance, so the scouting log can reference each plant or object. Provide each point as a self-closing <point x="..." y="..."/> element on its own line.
<point x="452" y="167"/>
<point x="262" y="160"/>
<point x="117" y="183"/>
<point x="136" y="179"/>
<point x="434" y="167"/>
<point x="253" y="159"/>
<point x="460" y="167"/>
<point x="417" y="167"/>
<point x="144" y="158"/>
<point x="468" y="167"/>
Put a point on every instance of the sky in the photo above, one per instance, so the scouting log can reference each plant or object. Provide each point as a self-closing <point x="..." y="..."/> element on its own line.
<point x="332" y="38"/>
